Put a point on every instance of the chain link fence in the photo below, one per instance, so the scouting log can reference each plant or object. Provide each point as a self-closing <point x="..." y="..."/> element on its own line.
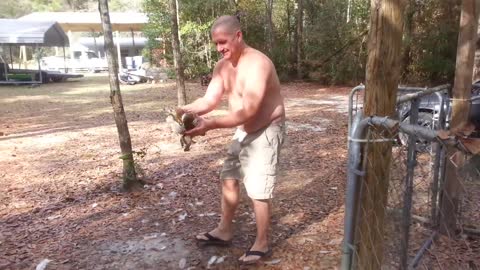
<point x="407" y="225"/>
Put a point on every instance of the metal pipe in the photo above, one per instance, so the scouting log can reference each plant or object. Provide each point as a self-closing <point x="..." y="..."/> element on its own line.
<point x="426" y="245"/>
<point x="407" y="198"/>
<point x="407" y="128"/>
<point x="411" y="89"/>
<point x="355" y="148"/>
<point x="38" y="61"/>
<point x="64" y="60"/>
<point x="119" y="52"/>
<point x="11" y="55"/>
<point x="420" y="92"/>
<point x="354" y="171"/>
<point x="425" y="92"/>
<point x="350" y="105"/>
<point x="436" y="167"/>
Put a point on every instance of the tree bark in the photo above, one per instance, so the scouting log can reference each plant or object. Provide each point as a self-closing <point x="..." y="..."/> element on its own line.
<point x="299" y="39"/>
<point x="382" y="77"/>
<point x="129" y="175"/>
<point x="177" y="56"/>
<point x="289" y="33"/>
<point x="476" y="67"/>
<point x="177" y="7"/>
<point x="349" y="10"/>
<point x="270" y="34"/>
<point x="460" y="109"/>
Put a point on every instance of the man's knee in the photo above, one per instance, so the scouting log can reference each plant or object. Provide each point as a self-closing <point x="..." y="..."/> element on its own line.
<point x="261" y="200"/>
<point x="230" y="185"/>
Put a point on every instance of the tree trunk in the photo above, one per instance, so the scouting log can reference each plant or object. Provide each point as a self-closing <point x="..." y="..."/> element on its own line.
<point x="382" y="76"/>
<point x="349" y="10"/>
<point x="177" y="55"/>
<point x="289" y="33"/>
<point x="129" y="175"/>
<point x="270" y="34"/>
<point x="177" y="7"/>
<point x="460" y="110"/>
<point x="476" y="67"/>
<point x="299" y="39"/>
<point x="207" y="51"/>
<point x="407" y="39"/>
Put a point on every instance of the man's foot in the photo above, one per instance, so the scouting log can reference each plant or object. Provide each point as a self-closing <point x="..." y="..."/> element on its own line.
<point x="252" y="256"/>
<point x="215" y="237"/>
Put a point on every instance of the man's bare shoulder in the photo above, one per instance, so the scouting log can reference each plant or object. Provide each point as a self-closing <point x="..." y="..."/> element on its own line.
<point x="255" y="56"/>
<point x="221" y="64"/>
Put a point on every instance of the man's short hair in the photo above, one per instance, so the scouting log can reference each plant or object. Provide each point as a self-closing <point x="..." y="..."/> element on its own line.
<point x="228" y="23"/>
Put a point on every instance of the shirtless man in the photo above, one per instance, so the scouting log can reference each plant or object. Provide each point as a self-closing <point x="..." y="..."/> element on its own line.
<point x="249" y="79"/>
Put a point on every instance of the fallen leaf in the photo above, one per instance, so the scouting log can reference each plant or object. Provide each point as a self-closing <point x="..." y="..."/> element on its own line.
<point x="182" y="263"/>
<point x="43" y="264"/>
<point x="273" y="262"/>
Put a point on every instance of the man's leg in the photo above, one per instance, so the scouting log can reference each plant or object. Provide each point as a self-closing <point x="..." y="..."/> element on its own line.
<point x="230" y="199"/>
<point x="262" y="218"/>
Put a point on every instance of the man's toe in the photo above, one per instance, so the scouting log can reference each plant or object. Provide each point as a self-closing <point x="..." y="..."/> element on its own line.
<point x="201" y="236"/>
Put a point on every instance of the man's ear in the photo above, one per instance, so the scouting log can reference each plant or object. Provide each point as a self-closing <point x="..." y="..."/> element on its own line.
<point x="239" y="35"/>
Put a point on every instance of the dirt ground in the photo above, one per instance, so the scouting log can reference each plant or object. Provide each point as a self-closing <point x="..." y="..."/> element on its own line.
<point x="60" y="196"/>
<point x="61" y="202"/>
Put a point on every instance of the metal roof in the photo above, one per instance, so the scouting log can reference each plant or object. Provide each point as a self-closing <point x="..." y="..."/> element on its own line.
<point x="90" y="21"/>
<point x="24" y="32"/>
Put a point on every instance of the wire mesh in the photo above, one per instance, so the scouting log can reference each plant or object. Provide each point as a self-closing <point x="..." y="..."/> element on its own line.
<point x="397" y="211"/>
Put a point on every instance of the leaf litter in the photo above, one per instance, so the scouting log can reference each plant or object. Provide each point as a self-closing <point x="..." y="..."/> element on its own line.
<point x="62" y="199"/>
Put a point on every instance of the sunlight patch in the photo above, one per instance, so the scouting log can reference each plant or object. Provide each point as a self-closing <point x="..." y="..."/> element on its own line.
<point x="299" y="126"/>
<point x="24" y="98"/>
<point x="339" y="103"/>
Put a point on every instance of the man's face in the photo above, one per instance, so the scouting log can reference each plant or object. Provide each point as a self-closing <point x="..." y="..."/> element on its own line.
<point x="227" y="43"/>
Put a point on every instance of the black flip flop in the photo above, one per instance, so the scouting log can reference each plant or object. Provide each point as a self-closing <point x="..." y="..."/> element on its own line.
<point x="212" y="240"/>
<point x="262" y="255"/>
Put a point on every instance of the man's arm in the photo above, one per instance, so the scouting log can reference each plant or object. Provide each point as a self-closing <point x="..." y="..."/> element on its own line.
<point x="255" y="87"/>
<point x="211" y="98"/>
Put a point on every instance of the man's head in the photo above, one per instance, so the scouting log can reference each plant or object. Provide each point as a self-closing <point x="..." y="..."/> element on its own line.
<point x="227" y="36"/>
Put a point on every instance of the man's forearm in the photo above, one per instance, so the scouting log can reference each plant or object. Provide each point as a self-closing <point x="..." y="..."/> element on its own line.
<point x="233" y="119"/>
<point x="199" y="107"/>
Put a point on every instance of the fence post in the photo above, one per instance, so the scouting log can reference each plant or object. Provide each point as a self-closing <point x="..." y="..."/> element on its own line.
<point x="353" y="188"/>
<point x="407" y="196"/>
<point x="439" y="163"/>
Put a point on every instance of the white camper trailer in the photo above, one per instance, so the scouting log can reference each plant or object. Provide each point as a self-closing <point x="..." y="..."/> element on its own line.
<point x="83" y="60"/>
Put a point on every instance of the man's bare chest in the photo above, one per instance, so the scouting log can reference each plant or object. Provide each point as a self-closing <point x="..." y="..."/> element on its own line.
<point x="234" y="85"/>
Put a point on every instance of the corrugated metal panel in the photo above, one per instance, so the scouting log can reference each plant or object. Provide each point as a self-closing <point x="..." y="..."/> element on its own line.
<point x="23" y="32"/>
<point x="90" y="21"/>
<point x="87" y="17"/>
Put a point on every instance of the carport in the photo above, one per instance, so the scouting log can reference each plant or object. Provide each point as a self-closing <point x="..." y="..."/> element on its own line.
<point x="90" y="22"/>
<point x="28" y="33"/>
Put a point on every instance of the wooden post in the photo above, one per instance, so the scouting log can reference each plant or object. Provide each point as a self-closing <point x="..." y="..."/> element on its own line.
<point x="24" y="56"/>
<point x="70" y="42"/>
<point x="460" y="110"/>
<point x="129" y="175"/>
<point x="382" y="77"/>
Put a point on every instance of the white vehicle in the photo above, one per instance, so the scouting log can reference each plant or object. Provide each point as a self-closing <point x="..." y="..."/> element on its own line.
<point x="82" y="61"/>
